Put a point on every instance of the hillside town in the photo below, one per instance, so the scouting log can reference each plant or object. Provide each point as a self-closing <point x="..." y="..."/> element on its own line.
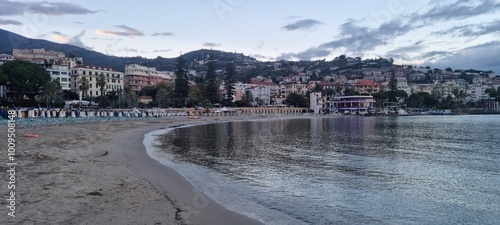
<point x="350" y="86"/>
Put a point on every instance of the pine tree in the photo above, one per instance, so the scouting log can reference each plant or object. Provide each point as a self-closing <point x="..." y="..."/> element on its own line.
<point x="181" y="80"/>
<point x="229" y="83"/>
<point x="211" y="89"/>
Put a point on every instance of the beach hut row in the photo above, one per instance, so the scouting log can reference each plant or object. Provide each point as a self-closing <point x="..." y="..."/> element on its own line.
<point x="60" y="113"/>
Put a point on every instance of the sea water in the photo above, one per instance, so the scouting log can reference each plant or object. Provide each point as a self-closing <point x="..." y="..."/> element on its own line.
<point x="344" y="169"/>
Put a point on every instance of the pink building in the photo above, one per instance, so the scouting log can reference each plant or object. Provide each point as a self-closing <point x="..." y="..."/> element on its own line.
<point x="137" y="77"/>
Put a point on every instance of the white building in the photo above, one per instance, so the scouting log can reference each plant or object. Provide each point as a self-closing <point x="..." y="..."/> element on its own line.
<point x="417" y="88"/>
<point x="317" y="102"/>
<point x="62" y="74"/>
<point x="261" y="93"/>
<point x="477" y="92"/>
<point x="443" y="90"/>
<point x="114" y="79"/>
<point x="239" y="90"/>
<point x="402" y="85"/>
<point x="3" y="59"/>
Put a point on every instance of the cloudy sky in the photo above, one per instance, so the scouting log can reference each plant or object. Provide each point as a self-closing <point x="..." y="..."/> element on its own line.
<point x="449" y="33"/>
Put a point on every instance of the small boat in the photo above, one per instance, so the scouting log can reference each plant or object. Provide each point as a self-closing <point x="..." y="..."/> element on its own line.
<point x="194" y="117"/>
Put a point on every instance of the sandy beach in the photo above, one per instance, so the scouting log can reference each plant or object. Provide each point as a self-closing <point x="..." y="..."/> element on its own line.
<point x="100" y="174"/>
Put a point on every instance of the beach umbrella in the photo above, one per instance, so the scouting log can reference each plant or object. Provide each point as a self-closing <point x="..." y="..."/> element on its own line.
<point x="48" y="114"/>
<point x="73" y="114"/>
<point x="54" y="113"/>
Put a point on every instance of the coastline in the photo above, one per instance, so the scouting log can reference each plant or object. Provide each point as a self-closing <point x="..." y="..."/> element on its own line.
<point x="191" y="205"/>
<point x="101" y="174"/>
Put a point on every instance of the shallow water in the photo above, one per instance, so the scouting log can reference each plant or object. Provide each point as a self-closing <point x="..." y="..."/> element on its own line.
<point x="346" y="170"/>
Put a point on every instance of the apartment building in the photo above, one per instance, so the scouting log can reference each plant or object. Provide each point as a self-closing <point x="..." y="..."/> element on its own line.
<point x="45" y="58"/>
<point x="61" y="74"/>
<point x="137" y="76"/>
<point x="114" y="79"/>
<point x="367" y="86"/>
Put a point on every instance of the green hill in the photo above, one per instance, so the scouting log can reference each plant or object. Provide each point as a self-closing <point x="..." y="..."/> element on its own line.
<point x="10" y="41"/>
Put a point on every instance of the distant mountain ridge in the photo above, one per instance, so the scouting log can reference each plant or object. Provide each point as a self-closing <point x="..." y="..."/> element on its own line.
<point x="10" y="41"/>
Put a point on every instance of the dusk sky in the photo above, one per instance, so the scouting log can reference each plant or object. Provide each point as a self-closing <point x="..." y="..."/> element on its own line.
<point x="461" y="34"/>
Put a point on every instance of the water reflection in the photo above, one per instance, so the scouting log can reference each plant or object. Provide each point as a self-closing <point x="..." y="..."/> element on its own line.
<point x="357" y="169"/>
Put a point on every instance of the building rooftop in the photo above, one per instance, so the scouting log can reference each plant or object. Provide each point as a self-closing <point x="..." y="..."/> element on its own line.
<point x="95" y="67"/>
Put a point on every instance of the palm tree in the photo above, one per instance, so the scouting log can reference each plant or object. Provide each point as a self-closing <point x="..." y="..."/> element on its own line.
<point x="101" y="83"/>
<point x="162" y="96"/>
<point x="50" y="91"/>
<point x="129" y="96"/>
<point x="113" y="97"/>
<point x="84" y="86"/>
